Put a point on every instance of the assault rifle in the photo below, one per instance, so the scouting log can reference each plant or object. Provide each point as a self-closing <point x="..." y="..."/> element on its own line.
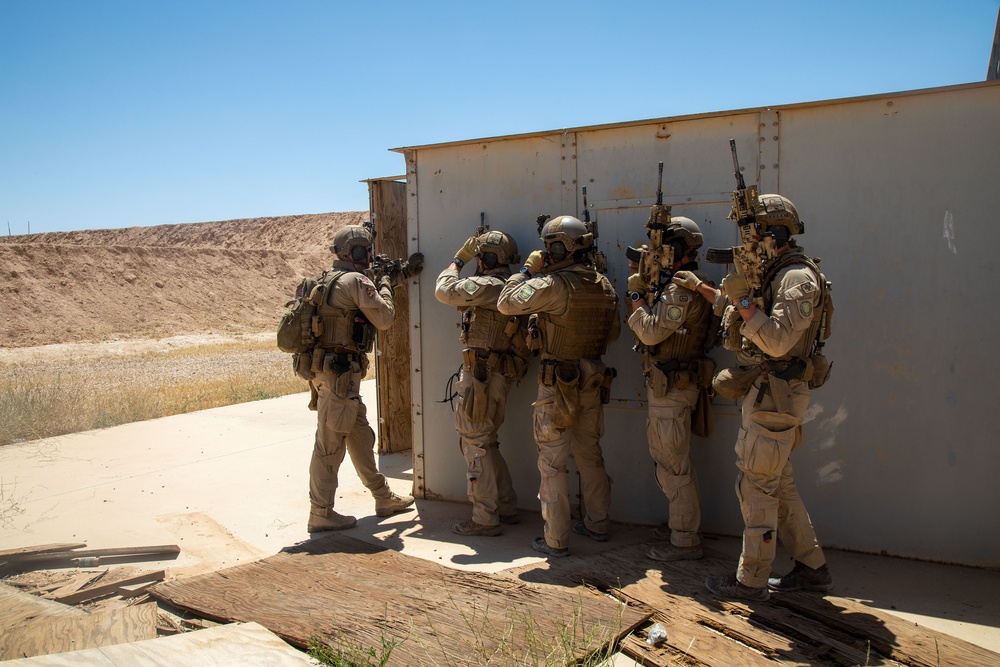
<point x="383" y="265"/>
<point x="483" y="227"/>
<point x="750" y="255"/>
<point x="656" y="262"/>
<point x="600" y="259"/>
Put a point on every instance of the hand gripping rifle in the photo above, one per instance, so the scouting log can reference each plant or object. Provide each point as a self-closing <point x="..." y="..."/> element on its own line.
<point x="657" y="262"/>
<point x="749" y="257"/>
<point x="600" y="259"/>
<point x="383" y="265"/>
<point x="483" y="227"/>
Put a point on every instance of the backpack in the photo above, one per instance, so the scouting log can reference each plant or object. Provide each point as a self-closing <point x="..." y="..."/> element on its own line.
<point x="295" y="332"/>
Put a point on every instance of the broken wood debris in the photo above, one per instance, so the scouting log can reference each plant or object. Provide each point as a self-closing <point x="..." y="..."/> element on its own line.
<point x="58" y="555"/>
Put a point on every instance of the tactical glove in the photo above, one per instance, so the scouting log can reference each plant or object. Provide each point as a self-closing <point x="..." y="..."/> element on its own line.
<point x="413" y="265"/>
<point x="735" y="286"/>
<point x="686" y="279"/>
<point x="534" y="262"/>
<point x="469" y="250"/>
<point x="636" y="284"/>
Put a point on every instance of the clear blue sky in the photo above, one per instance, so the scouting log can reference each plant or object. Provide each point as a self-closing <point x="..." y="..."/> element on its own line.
<point x="115" y="113"/>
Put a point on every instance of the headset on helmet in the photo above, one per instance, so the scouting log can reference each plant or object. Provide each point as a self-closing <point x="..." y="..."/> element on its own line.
<point x="352" y="243"/>
<point x="777" y="217"/>
<point x="565" y="235"/>
<point x="497" y="249"/>
<point x="685" y="233"/>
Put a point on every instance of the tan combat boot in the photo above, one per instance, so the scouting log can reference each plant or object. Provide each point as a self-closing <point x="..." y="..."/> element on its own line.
<point x="322" y="520"/>
<point x="391" y="504"/>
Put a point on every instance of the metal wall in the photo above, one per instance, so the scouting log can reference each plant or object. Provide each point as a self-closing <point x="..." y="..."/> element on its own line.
<point x="898" y="195"/>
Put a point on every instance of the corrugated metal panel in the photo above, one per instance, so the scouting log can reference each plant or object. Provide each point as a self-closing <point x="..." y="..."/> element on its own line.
<point x="897" y="194"/>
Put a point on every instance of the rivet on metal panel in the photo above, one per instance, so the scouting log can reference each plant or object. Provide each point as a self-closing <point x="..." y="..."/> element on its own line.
<point x="763" y="138"/>
<point x="574" y="157"/>
<point x="763" y="167"/>
<point x="574" y="181"/>
<point x="562" y="157"/>
<point x="775" y="123"/>
<point x="775" y="137"/>
<point x="562" y="182"/>
<point x="763" y="124"/>
<point x="775" y="165"/>
<point x="591" y="180"/>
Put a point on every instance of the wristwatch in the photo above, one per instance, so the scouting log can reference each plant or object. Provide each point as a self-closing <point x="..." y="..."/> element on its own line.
<point x="635" y="296"/>
<point x="459" y="263"/>
<point x="743" y="302"/>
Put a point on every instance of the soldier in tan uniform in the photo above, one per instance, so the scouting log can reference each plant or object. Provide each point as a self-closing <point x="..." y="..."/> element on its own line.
<point x="493" y="360"/>
<point x="350" y="309"/>
<point x="777" y="352"/>
<point x="576" y="313"/>
<point x="671" y="330"/>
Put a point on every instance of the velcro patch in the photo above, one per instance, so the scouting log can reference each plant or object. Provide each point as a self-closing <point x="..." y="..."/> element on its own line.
<point x="674" y="313"/>
<point x="470" y="286"/>
<point x="524" y="293"/>
<point x="805" y="308"/>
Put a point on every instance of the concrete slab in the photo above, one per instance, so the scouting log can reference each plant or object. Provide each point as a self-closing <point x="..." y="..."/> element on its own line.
<point x="230" y="485"/>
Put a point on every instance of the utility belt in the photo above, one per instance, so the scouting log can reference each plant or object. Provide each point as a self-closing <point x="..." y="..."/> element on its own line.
<point x="736" y="382"/>
<point x="577" y="376"/>
<point x="663" y="376"/>
<point x="342" y="365"/>
<point x="480" y="363"/>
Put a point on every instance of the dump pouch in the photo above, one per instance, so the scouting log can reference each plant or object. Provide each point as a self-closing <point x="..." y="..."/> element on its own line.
<point x="702" y="418"/>
<point x="821" y="367"/>
<point x="735" y="382"/>
<point x="476" y="402"/>
<point x="567" y="396"/>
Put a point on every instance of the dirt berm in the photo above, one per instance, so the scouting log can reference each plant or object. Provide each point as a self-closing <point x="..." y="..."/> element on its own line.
<point x="152" y="282"/>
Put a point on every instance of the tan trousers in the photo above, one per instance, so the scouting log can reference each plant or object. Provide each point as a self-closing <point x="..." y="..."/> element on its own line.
<point x="342" y="428"/>
<point x="490" y="488"/>
<point x="768" y="498"/>
<point x="582" y="439"/>
<point x="668" y="430"/>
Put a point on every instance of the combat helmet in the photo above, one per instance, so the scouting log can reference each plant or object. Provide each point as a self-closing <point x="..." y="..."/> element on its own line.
<point x="497" y="249"/>
<point x="352" y="243"/>
<point x="777" y="217"/>
<point x="565" y="235"/>
<point x="686" y="233"/>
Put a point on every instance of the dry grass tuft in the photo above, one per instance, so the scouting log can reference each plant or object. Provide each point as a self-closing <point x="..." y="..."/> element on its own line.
<point x="39" y="399"/>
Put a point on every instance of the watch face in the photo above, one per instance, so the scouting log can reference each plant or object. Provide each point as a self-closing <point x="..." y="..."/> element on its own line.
<point x="635" y="296"/>
<point x="744" y="302"/>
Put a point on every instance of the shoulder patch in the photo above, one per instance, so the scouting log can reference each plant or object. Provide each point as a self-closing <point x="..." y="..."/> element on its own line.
<point x="470" y="286"/>
<point x="805" y="309"/>
<point x="524" y="293"/>
<point x="674" y="313"/>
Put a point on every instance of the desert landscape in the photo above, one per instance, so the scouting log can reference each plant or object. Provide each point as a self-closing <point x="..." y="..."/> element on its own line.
<point x="229" y="277"/>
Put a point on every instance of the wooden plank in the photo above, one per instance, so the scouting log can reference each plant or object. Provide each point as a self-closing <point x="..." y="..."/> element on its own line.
<point x="111" y="587"/>
<point x="392" y="358"/>
<point x="72" y="633"/>
<point x="363" y="595"/>
<point x="236" y="644"/>
<point x="796" y="628"/>
<point x="14" y="554"/>
<point x="75" y="584"/>
<point x="18" y="607"/>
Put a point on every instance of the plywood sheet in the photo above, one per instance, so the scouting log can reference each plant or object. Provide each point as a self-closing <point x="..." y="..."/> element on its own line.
<point x="362" y="596"/>
<point x="18" y="607"/>
<point x="245" y="644"/>
<point x="794" y="628"/>
<point x="70" y="633"/>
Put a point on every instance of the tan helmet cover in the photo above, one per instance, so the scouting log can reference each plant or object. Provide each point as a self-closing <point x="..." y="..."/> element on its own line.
<point x="350" y="237"/>
<point x="687" y="229"/>
<point x="571" y="231"/>
<point x="777" y="210"/>
<point x="500" y="244"/>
